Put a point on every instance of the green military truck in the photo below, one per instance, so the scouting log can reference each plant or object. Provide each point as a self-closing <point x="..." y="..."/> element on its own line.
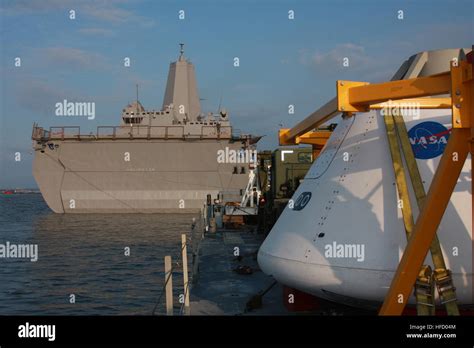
<point x="281" y="172"/>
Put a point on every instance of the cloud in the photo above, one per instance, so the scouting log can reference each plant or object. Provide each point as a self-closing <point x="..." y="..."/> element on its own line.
<point x="38" y="96"/>
<point x="374" y="67"/>
<point x="14" y="7"/>
<point x="111" y="11"/>
<point x="379" y="61"/>
<point x="96" y="32"/>
<point x="443" y="35"/>
<point x="72" y="58"/>
<point x="107" y="11"/>
<point x="334" y="58"/>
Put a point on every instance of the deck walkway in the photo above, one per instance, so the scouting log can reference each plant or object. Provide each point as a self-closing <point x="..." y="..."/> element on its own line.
<point x="219" y="290"/>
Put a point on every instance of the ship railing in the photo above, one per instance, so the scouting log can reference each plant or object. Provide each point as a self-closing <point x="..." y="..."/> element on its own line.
<point x="102" y="132"/>
<point x="124" y="132"/>
<point x="39" y="133"/>
<point x="140" y="132"/>
<point x="216" y="132"/>
<point x="67" y="132"/>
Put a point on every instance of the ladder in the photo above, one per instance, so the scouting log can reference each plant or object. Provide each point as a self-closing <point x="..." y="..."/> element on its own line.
<point x="249" y="193"/>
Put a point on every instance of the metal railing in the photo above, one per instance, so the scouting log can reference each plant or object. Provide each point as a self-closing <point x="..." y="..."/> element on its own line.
<point x="125" y="132"/>
<point x="167" y="290"/>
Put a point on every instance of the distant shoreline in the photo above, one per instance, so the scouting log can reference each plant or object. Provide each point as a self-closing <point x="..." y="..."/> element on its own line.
<point x="19" y="191"/>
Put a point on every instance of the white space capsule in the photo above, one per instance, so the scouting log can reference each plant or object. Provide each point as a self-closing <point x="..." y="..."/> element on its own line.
<point x="344" y="236"/>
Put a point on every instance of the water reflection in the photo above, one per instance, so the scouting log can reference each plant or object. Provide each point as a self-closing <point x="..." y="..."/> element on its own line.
<point x="84" y="255"/>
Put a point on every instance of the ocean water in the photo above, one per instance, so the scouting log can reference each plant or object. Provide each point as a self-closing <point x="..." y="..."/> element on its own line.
<point x="84" y="255"/>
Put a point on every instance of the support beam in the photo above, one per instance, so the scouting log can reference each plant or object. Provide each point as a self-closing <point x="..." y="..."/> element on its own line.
<point x="422" y="103"/>
<point x="401" y="89"/>
<point x="169" y="285"/>
<point x="317" y="118"/>
<point x="462" y="87"/>
<point x="439" y="194"/>
<point x="317" y="138"/>
<point x="361" y="96"/>
<point x="184" y="256"/>
<point x="447" y="294"/>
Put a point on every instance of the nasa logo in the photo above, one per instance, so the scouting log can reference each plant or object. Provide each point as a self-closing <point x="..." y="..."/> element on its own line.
<point x="302" y="200"/>
<point x="428" y="139"/>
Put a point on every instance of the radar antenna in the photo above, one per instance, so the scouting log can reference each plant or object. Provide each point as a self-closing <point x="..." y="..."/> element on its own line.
<point x="181" y="51"/>
<point x="220" y="104"/>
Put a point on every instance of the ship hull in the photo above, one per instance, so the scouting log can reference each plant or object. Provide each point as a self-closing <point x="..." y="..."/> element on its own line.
<point x="135" y="176"/>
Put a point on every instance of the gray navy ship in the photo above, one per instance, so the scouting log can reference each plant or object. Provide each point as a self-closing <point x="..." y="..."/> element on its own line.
<point x="163" y="161"/>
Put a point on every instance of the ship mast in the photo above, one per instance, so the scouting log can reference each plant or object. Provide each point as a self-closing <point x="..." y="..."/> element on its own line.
<point x="181" y="89"/>
<point x="137" y="100"/>
<point x="181" y="52"/>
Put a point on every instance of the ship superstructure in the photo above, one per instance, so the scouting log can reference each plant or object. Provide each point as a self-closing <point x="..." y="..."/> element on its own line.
<point x="154" y="161"/>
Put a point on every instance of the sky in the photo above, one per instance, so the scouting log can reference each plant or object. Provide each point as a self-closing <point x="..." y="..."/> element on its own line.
<point x="282" y="61"/>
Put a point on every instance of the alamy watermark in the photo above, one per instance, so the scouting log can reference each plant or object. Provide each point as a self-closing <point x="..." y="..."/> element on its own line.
<point x="28" y="330"/>
<point x="345" y="251"/>
<point x="19" y="251"/>
<point x="405" y="109"/>
<point x="236" y="156"/>
<point x="66" y="108"/>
